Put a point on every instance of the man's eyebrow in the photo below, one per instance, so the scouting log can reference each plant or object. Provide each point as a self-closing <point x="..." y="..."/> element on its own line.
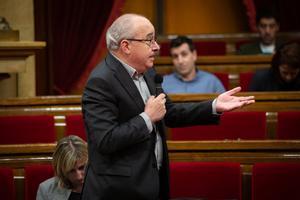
<point x="149" y="35"/>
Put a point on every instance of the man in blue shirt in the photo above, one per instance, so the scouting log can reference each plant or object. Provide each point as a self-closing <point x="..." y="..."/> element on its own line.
<point x="187" y="78"/>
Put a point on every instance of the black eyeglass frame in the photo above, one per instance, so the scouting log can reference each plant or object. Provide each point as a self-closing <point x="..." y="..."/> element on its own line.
<point x="149" y="42"/>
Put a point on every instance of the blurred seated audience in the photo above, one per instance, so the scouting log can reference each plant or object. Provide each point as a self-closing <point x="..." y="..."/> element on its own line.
<point x="69" y="160"/>
<point x="267" y="26"/>
<point x="284" y="74"/>
<point x="187" y="78"/>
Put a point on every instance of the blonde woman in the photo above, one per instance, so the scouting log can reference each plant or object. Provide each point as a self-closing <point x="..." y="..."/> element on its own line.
<point x="69" y="161"/>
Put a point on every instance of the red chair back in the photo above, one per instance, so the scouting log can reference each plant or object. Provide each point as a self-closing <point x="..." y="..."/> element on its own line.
<point x="7" y="186"/>
<point x="275" y="181"/>
<point x="288" y="126"/>
<point x="245" y="79"/>
<point x="34" y="175"/>
<point x="207" y="180"/>
<point x="224" y="78"/>
<point x="75" y="126"/>
<point x="27" y="129"/>
<point x="207" y="48"/>
<point x="233" y="125"/>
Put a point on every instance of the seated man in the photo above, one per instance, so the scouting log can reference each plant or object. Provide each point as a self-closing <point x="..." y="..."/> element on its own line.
<point x="284" y="74"/>
<point x="187" y="78"/>
<point x="267" y="27"/>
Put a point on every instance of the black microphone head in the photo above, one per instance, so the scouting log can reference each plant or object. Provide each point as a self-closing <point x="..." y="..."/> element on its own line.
<point x="158" y="79"/>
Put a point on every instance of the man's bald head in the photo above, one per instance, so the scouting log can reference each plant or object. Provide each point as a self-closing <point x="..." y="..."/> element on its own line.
<point x="126" y="26"/>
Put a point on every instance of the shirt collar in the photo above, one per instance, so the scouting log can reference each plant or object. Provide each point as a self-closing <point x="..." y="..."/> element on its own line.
<point x="178" y="76"/>
<point x="131" y="71"/>
<point x="267" y="49"/>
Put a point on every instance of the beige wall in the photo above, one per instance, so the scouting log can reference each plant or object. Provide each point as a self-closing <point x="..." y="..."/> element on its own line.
<point x="19" y="14"/>
<point x="143" y="7"/>
<point x="204" y="16"/>
<point x="195" y="16"/>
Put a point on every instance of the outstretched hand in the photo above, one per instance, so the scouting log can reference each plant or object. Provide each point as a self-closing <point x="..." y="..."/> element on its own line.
<point x="227" y="102"/>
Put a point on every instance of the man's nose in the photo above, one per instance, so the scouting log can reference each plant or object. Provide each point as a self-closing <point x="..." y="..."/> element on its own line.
<point x="156" y="46"/>
<point x="268" y="29"/>
<point x="180" y="59"/>
<point x="289" y="77"/>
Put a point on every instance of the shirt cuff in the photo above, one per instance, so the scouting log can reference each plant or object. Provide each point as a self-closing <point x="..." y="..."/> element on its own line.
<point x="147" y="121"/>
<point x="214" y="109"/>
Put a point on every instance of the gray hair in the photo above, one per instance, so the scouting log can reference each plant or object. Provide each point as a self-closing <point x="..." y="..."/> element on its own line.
<point x="122" y="28"/>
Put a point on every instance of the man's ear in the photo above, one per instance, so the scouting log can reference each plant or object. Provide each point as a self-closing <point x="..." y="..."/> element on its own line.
<point x="125" y="46"/>
<point x="195" y="56"/>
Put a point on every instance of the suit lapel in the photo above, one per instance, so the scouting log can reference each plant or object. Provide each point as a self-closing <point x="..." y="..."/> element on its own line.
<point x="150" y="83"/>
<point x="125" y="80"/>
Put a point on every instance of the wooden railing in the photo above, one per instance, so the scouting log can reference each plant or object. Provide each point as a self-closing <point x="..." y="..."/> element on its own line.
<point x="55" y="105"/>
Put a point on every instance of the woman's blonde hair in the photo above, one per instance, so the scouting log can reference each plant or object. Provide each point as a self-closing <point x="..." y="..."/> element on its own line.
<point x="68" y="151"/>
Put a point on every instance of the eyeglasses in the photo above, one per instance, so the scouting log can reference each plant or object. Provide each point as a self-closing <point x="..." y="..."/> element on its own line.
<point x="149" y="42"/>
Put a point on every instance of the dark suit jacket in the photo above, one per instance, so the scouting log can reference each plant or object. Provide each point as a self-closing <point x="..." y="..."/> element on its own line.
<point x="122" y="163"/>
<point x="268" y="80"/>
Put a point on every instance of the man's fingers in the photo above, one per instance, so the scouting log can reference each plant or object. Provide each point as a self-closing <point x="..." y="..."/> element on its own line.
<point x="233" y="91"/>
<point x="161" y="96"/>
<point x="248" y="98"/>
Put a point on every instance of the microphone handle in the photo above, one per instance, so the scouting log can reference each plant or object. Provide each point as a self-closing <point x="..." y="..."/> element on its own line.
<point x="158" y="90"/>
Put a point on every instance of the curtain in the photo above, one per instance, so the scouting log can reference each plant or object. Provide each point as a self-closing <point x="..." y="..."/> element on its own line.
<point x="100" y="50"/>
<point x="74" y="31"/>
<point x="251" y="14"/>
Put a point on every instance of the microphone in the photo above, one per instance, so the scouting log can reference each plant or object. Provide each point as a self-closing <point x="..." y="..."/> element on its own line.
<point x="158" y="79"/>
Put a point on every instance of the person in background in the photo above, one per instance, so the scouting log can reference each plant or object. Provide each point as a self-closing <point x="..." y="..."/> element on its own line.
<point x="187" y="78"/>
<point x="267" y="27"/>
<point x="125" y="112"/>
<point x="69" y="160"/>
<point x="284" y="74"/>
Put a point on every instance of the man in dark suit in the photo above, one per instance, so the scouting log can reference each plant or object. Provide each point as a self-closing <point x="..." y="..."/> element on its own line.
<point x="267" y="26"/>
<point x="125" y="112"/>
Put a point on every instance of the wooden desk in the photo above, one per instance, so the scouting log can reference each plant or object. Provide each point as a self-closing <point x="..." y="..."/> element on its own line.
<point x="18" y="57"/>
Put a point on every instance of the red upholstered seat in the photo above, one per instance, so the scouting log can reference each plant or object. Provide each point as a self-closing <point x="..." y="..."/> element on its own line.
<point x="202" y="47"/>
<point x="245" y="79"/>
<point x="224" y="78"/>
<point x="27" y="129"/>
<point x="233" y="125"/>
<point x="207" y="180"/>
<point x="34" y="175"/>
<point x="75" y="126"/>
<point x="7" y="186"/>
<point x="288" y="125"/>
<point x="276" y="181"/>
